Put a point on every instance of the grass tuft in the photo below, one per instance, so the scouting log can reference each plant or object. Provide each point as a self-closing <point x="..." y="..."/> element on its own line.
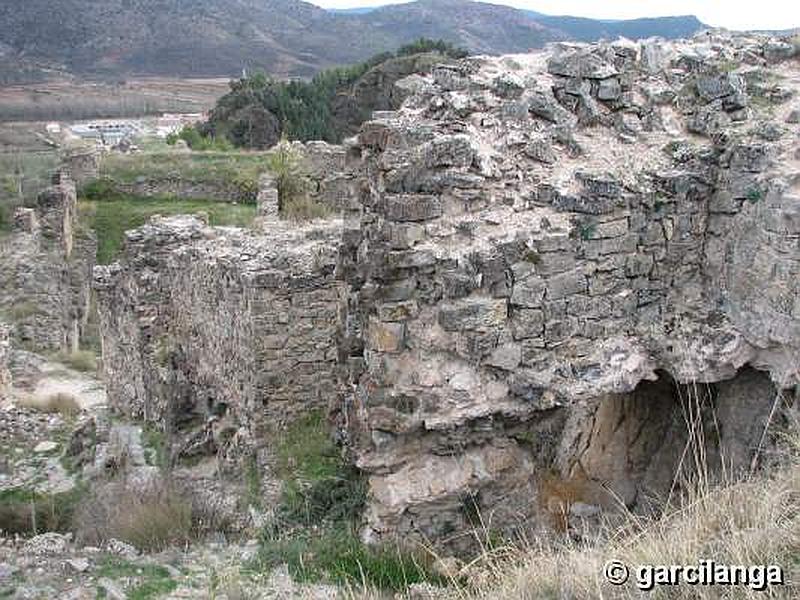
<point x="80" y="360"/>
<point x="151" y="518"/>
<point x="60" y="403"/>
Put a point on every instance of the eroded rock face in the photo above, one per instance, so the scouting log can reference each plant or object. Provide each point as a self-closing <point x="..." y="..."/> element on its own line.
<point x="45" y="272"/>
<point x="554" y="251"/>
<point x="221" y="335"/>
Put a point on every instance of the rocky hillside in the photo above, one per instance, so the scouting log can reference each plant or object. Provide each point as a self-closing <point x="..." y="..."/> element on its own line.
<point x="285" y="37"/>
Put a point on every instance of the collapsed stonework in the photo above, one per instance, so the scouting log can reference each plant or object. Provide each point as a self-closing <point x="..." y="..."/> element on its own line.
<point x="45" y="272"/>
<point x="551" y="259"/>
<point x="221" y="335"/>
<point x="560" y="260"/>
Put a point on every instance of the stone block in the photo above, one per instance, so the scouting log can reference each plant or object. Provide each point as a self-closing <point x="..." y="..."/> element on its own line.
<point x="566" y="284"/>
<point x="475" y="314"/>
<point x="385" y="337"/>
<point x="412" y="207"/>
<point x="528" y="292"/>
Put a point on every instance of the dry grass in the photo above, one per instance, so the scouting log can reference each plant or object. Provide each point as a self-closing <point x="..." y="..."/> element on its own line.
<point x="60" y="403"/>
<point x="755" y="521"/>
<point x="80" y="360"/>
<point x="303" y="208"/>
<point x="150" y="518"/>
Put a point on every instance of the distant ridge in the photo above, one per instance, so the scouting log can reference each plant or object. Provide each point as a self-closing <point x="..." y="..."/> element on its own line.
<point x="122" y="38"/>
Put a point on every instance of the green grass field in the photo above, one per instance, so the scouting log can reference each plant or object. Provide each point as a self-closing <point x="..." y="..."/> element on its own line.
<point x="110" y="219"/>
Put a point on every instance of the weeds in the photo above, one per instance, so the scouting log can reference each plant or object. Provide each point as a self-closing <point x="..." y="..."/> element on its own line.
<point x="150" y="518"/>
<point x="335" y="554"/>
<point x="287" y="166"/>
<point x="156" y="447"/>
<point x="24" y="511"/>
<point x="314" y="527"/>
<point x="235" y="170"/>
<point x="22" y="311"/>
<point x="80" y="360"/>
<point x="152" y="581"/>
<point x="754" y="195"/>
<point x="60" y="403"/>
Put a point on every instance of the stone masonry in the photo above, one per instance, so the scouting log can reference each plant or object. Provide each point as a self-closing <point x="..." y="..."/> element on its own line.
<point x="554" y="249"/>
<point x="548" y="260"/>
<point x="45" y="272"/>
<point x="330" y="178"/>
<point x="221" y="335"/>
<point x="5" y="352"/>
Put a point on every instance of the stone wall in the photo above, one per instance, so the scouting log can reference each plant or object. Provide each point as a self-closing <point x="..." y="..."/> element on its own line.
<point x="331" y="179"/>
<point x="45" y="272"/>
<point x="547" y="247"/>
<point x="221" y="335"/>
<point x="5" y="355"/>
<point x="82" y="165"/>
<point x="185" y="189"/>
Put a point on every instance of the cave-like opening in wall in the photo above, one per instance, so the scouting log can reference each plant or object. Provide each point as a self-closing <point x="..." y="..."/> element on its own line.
<point x="659" y="444"/>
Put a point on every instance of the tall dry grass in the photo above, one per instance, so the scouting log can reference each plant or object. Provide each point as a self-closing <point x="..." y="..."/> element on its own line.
<point x="742" y="519"/>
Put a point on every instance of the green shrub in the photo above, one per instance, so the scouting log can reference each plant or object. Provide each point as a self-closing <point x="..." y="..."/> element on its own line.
<point x="754" y="195"/>
<point x="287" y="166"/>
<point x="198" y="141"/>
<point x="314" y="527"/>
<point x="336" y="554"/>
<point x="26" y="512"/>
<point x="148" y="581"/>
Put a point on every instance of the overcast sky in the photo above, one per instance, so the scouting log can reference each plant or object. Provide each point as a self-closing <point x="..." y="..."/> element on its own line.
<point x="733" y="14"/>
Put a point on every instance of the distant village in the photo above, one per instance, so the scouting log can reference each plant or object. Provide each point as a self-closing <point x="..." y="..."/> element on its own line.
<point x="116" y="133"/>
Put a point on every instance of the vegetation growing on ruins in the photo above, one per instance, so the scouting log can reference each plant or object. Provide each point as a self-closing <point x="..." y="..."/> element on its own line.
<point x="153" y="580"/>
<point x="314" y="528"/>
<point x="754" y="521"/>
<point x="287" y="166"/>
<point x="25" y="511"/>
<point x="111" y="218"/>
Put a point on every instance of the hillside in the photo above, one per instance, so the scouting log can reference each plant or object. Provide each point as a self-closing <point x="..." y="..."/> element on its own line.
<point x="122" y="38"/>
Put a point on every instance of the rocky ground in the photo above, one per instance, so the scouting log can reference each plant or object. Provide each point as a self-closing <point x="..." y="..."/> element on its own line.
<point x="35" y="459"/>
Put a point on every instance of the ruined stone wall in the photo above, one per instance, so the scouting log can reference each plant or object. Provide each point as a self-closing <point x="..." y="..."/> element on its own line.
<point x="185" y="189"/>
<point x="547" y="245"/>
<point x="5" y="352"/>
<point x="45" y="271"/>
<point x="330" y="178"/>
<point x="221" y="335"/>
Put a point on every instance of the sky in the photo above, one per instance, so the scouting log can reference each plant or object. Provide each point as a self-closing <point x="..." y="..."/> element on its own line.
<point x="733" y="14"/>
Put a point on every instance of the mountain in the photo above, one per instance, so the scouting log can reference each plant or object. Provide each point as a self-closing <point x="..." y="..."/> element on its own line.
<point x="120" y="38"/>
<point x="589" y="30"/>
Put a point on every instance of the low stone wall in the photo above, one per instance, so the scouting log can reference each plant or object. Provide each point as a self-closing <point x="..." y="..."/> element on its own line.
<point x="221" y="335"/>
<point x="183" y="189"/>
<point x="45" y="272"/>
